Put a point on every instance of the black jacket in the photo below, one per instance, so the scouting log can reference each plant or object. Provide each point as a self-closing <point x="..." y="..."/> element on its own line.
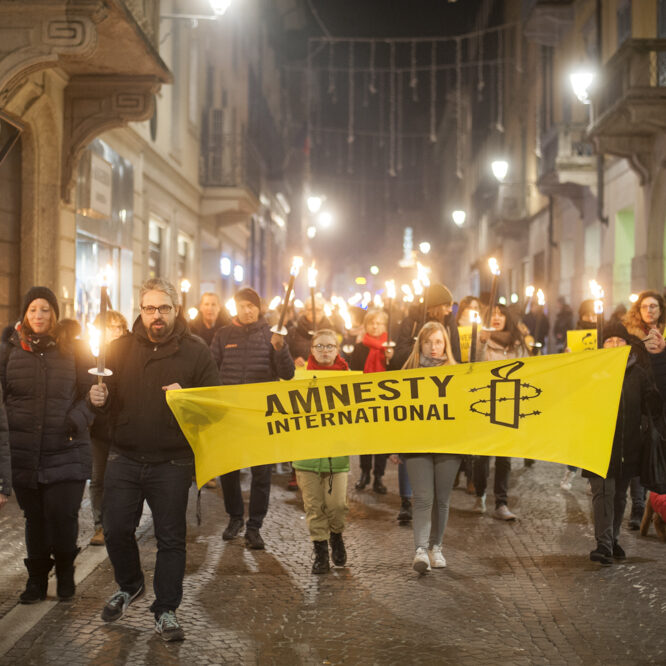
<point x="409" y="329"/>
<point x="244" y="354"/>
<point x="638" y="395"/>
<point x="143" y="427"/>
<point x="198" y="327"/>
<point x="48" y="415"/>
<point x="5" y="457"/>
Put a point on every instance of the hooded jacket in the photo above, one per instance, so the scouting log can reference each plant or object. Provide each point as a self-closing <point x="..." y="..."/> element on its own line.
<point x="244" y="354"/>
<point x="48" y="415"/>
<point x="143" y="427"/>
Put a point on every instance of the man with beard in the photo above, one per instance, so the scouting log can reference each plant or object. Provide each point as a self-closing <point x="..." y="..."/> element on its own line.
<point x="149" y="456"/>
<point x="246" y="352"/>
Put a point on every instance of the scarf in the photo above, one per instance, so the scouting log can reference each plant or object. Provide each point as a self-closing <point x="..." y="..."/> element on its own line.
<point x="338" y="364"/>
<point x="35" y="343"/>
<point x="430" y="362"/>
<point x="376" y="361"/>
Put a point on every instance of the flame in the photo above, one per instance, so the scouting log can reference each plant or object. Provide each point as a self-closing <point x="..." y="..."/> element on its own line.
<point x="633" y="298"/>
<point x="377" y="301"/>
<point x="296" y="264"/>
<point x="185" y="285"/>
<point x="94" y="336"/>
<point x="390" y="288"/>
<point x="493" y="266"/>
<point x="541" y="297"/>
<point x="298" y="303"/>
<point x="422" y="273"/>
<point x="529" y="291"/>
<point x="418" y="287"/>
<point x="598" y="307"/>
<point x="474" y="317"/>
<point x="367" y="298"/>
<point x="105" y="277"/>
<point x="192" y="313"/>
<point x="344" y="313"/>
<point x="312" y="276"/>
<point x="328" y="310"/>
<point x="597" y="290"/>
<point x="356" y="298"/>
<point x="230" y="305"/>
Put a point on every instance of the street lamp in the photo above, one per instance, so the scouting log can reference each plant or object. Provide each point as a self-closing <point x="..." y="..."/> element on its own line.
<point x="581" y="82"/>
<point x="311" y="231"/>
<point x="459" y="217"/>
<point x="500" y="169"/>
<point x="374" y="270"/>
<point x="424" y="247"/>
<point x="314" y="203"/>
<point x="325" y="219"/>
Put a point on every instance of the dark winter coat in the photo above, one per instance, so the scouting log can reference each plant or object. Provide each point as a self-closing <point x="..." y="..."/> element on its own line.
<point x="638" y="395"/>
<point x="299" y="338"/>
<point x="143" y="427"/>
<point x="5" y="457"/>
<point x="48" y="415"/>
<point x="244" y="354"/>
<point x="658" y="362"/>
<point x="564" y="321"/>
<point x="409" y="329"/>
<point x="198" y="327"/>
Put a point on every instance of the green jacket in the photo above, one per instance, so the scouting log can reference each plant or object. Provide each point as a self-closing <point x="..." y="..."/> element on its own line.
<point x="323" y="465"/>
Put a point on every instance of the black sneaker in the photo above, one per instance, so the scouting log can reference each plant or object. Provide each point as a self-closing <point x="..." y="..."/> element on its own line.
<point x="233" y="528"/>
<point x="602" y="555"/>
<point x="168" y="627"/>
<point x="618" y="552"/>
<point x="118" y="603"/>
<point x="253" y="539"/>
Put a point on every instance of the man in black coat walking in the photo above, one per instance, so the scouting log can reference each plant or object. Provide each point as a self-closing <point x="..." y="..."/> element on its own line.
<point x="246" y="352"/>
<point x="149" y="456"/>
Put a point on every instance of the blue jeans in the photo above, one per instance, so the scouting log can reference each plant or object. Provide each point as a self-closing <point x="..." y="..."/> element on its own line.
<point x="404" y="487"/>
<point x="165" y="486"/>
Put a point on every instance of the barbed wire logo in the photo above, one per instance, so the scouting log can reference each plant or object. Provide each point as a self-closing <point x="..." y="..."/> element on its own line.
<point x="506" y="396"/>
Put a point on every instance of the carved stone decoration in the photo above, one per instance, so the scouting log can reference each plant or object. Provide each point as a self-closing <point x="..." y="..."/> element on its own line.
<point x="636" y="149"/>
<point x="96" y="104"/>
<point x="34" y="37"/>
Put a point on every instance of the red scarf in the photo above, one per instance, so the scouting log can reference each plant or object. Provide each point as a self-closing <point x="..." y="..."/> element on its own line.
<point x="338" y="364"/>
<point x="376" y="361"/>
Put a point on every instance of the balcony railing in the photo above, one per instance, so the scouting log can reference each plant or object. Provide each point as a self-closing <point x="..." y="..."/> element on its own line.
<point x="230" y="160"/>
<point x="564" y="148"/>
<point x="636" y="73"/>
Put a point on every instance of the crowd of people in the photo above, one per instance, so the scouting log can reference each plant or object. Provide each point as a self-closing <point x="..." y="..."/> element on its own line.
<point x="60" y="426"/>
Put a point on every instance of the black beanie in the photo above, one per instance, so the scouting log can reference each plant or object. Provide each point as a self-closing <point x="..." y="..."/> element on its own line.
<point x="615" y="329"/>
<point x="248" y="294"/>
<point x="438" y="294"/>
<point x="40" y="292"/>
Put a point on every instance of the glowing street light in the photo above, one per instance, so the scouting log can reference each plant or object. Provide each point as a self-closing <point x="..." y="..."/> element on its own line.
<point x="374" y="270"/>
<point x="581" y="83"/>
<point x="459" y="217"/>
<point x="500" y="169"/>
<point x="314" y="203"/>
<point x="219" y="7"/>
<point x="325" y="219"/>
<point x="424" y="247"/>
<point x="311" y="232"/>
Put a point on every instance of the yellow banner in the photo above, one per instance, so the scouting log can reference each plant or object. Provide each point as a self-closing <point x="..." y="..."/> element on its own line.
<point x="304" y="373"/>
<point x="585" y="340"/>
<point x="560" y="408"/>
<point x="465" y="334"/>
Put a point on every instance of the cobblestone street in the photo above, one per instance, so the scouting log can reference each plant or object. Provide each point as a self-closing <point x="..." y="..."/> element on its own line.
<point x="513" y="593"/>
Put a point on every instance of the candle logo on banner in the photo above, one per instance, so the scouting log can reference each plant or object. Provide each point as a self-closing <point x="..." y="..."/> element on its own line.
<point x="505" y="397"/>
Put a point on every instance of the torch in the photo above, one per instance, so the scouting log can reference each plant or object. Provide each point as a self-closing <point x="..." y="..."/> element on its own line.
<point x="425" y="281"/>
<point x="598" y="295"/>
<point x="296" y="264"/>
<point x="184" y="288"/>
<point x="105" y="279"/>
<point x="390" y="295"/>
<point x="529" y="296"/>
<point x="312" y="282"/>
<point x="494" y="269"/>
<point x="476" y="320"/>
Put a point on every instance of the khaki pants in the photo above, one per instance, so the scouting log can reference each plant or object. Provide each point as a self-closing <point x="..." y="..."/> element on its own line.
<point x="324" y="512"/>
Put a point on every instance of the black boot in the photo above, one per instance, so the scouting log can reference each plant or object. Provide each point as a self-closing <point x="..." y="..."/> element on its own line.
<point x="338" y="552"/>
<point x="64" y="566"/>
<point x="378" y="486"/>
<point x="405" y="514"/>
<point x="363" y="481"/>
<point x="321" y="564"/>
<point x="38" y="580"/>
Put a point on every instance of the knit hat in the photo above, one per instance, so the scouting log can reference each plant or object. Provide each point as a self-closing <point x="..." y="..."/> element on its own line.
<point x="40" y="292"/>
<point x="438" y="294"/>
<point x="615" y="329"/>
<point x="248" y="294"/>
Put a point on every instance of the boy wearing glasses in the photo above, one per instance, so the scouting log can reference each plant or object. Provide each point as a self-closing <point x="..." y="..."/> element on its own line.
<point x="149" y="456"/>
<point x="323" y="481"/>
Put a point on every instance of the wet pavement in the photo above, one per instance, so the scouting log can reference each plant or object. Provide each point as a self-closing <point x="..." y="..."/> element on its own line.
<point x="512" y="593"/>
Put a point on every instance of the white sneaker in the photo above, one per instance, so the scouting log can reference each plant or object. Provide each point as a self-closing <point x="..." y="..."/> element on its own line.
<point x="502" y="513"/>
<point x="480" y="504"/>
<point x="437" y="560"/>
<point x="421" y="561"/>
<point x="567" y="480"/>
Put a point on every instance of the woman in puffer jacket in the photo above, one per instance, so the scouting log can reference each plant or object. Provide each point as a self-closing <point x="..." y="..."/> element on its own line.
<point x="323" y="481"/>
<point x="45" y="380"/>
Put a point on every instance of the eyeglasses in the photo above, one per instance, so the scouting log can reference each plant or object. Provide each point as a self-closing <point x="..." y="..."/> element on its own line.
<point x="324" y="347"/>
<point x="651" y="306"/>
<point x="162" y="309"/>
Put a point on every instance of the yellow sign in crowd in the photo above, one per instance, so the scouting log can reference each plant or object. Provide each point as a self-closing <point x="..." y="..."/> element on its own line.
<point x="560" y="408"/>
